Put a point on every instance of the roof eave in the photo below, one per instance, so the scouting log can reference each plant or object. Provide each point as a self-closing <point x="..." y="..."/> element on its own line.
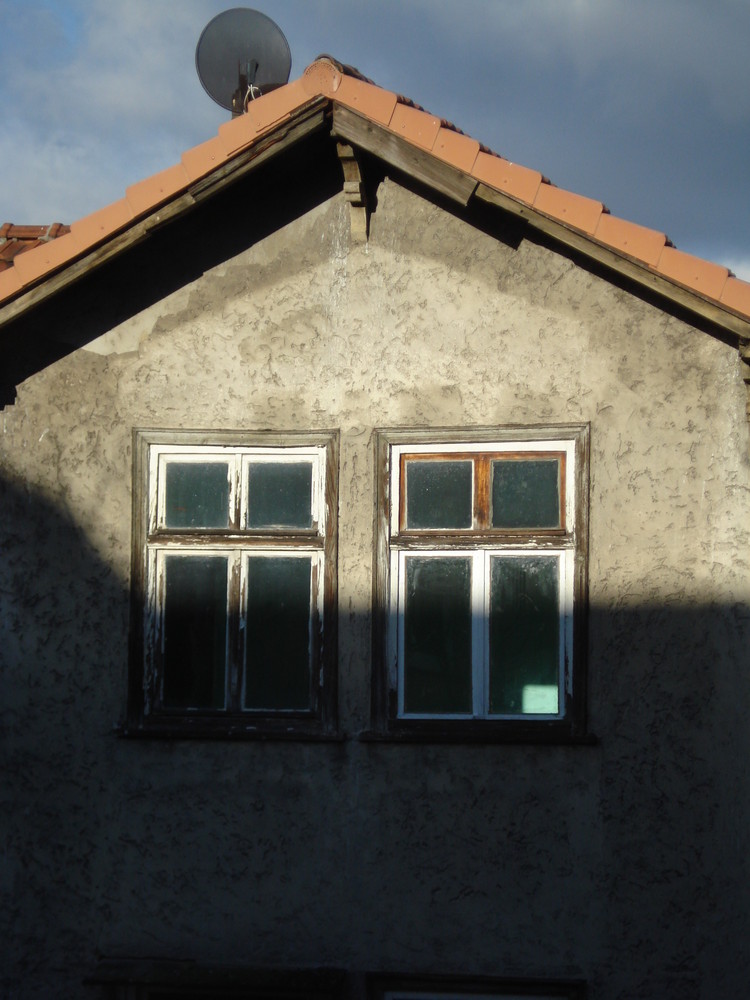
<point x="305" y="120"/>
<point x="448" y="180"/>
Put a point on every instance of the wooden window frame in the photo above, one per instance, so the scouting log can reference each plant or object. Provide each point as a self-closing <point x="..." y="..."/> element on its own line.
<point x="394" y="543"/>
<point x="152" y="540"/>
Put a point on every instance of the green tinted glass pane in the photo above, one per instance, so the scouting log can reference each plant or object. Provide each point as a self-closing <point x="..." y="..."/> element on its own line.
<point x="195" y="630"/>
<point x="278" y="635"/>
<point x="437" y="636"/>
<point x="197" y="495"/>
<point x="438" y="494"/>
<point x="280" y="495"/>
<point x="524" y="636"/>
<point x="526" y="494"/>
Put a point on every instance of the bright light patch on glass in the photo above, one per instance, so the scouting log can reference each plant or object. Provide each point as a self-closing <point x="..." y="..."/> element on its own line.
<point x="524" y="632"/>
<point x="539" y="699"/>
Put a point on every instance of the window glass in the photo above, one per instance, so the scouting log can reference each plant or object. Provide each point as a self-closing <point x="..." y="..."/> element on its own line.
<point x="195" y="629"/>
<point x="280" y="495"/>
<point x="526" y="493"/>
<point x="524" y="635"/>
<point x="278" y="633"/>
<point x="437" y="636"/>
<point x="197" y="495"/>
<point x="438" y="494"/>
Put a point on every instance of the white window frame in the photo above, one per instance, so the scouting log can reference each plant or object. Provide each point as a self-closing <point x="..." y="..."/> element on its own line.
<point x="397" y="544"/>
<point x="480" y="600"/>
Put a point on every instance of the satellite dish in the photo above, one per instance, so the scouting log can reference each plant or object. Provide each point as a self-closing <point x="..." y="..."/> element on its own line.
<point x="240" y="55"/>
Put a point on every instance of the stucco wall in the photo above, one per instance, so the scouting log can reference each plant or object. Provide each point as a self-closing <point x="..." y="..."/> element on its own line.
<point x="622" y="863"/>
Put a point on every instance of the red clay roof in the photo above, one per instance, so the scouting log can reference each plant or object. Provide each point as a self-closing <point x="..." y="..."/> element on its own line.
<point x="19" y="239"/>
<point x="344" y="87"/>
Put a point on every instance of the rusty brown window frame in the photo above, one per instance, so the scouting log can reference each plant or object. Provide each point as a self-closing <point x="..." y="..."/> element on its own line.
<point x="237" y="543"/>
<point x="393" y="540"/>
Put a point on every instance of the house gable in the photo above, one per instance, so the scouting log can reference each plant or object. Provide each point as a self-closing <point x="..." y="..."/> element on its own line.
<point x="257" y="312"/>
<point x="337" y="100"/>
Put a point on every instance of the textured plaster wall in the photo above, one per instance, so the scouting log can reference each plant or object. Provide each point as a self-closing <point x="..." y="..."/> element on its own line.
<point x="622" y="863"/>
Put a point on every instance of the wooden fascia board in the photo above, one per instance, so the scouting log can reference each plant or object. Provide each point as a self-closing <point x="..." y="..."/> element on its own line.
<point x="640" y="273"/>
<point x="281" y="138"/>
<point x="309" y="119"/>
<point x="405" y="156"/>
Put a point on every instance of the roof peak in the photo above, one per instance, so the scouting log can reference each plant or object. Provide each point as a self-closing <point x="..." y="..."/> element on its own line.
<point x="646" y="254"/>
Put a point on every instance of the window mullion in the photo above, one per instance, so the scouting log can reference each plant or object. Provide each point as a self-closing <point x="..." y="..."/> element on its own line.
<point x="235" y="626"/>
<point x="399" y="564"/>
<point x="235" y="492"/>
<point x="479" y="629"/>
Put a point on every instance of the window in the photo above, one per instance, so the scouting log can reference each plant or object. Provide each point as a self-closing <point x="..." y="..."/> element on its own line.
<point x="471" y="988"/>
<point x="234" y="584"/>
<point x="480" y="584"/>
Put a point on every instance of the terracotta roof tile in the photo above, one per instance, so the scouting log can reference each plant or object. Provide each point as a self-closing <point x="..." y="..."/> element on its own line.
<point x="693" y="272"/>
<point x="456" y="148"/>
<point x="572" y="209"/>
<point x="10" y="283"/>
<point x="736" y="295"/>
<point x="636" y="241"/>
<point x="147" y="194"/>
<point x="202" y="159"/>
<point x="372" y="102"/>
<point x="15" y="240"/>
<point x="513" y="180"/>
<point x="237" y="133"/>
<point x="272" y="108"/>
<point x="46" y="258"/>
<point x="418" y="127"/>
<point x="28" y="253"/>
<point x="322" y="77"/>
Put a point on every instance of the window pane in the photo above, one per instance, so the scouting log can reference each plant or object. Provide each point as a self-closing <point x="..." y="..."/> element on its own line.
<point x="524" y="636"/>
<point x="437" y="636"/>
<point x="195" y="629"/>
<point x="526" y="494"/>
<point x="277" y="640"/>
<point x="280" y="495"/>
<point x="438" y="494"/>
<point x="197" y="495"/>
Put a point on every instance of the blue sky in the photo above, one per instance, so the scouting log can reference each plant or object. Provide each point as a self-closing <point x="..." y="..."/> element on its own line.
<point x="643" y="104"/>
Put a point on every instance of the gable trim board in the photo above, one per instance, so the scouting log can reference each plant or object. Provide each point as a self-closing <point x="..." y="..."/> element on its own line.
<point x="433" y="152"/>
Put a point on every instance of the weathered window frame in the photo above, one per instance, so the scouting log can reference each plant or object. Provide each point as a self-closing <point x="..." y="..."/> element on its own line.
<point x="437" y="987"/>
<point x="395" y="543"/>
<point x="153" y="541"/>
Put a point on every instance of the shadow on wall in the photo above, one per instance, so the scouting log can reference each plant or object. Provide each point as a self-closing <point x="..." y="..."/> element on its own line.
<point x="666" y="789"/>
<point x="215" y="230"/>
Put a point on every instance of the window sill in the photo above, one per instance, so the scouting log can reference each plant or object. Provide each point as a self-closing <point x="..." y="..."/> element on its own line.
<point x="537" y="733"/>
<point x="222" y="729"/>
